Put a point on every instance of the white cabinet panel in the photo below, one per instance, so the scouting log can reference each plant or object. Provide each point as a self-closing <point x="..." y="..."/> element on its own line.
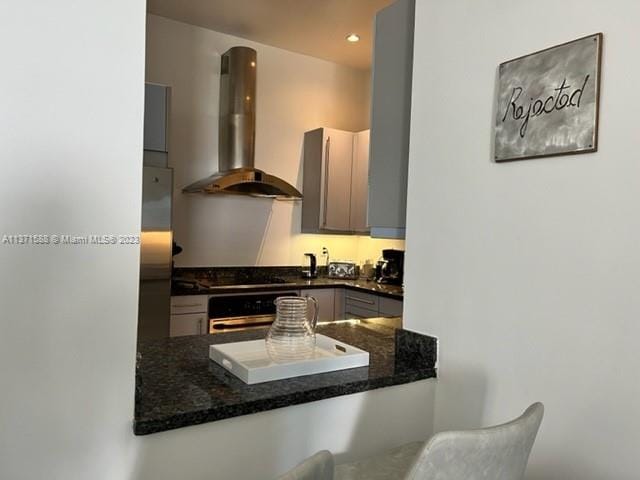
<point x="189" y="304"/>
<point x="188" y="324"/>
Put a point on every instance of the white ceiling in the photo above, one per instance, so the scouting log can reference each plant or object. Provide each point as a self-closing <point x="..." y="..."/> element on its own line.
<point x="313" y="27"/>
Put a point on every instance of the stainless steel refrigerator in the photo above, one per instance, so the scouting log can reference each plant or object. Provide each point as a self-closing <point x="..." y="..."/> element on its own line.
<point x="156" y="237"/>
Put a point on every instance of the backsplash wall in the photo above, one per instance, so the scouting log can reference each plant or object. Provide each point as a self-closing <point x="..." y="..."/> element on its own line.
<point x="346" y="247"/>
<point x="295" y="93"/>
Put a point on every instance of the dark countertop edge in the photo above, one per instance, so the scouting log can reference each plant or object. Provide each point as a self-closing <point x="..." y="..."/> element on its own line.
<point x="283" y="287"/>
<point x="146" y="427"/>
<point x="398" y="296"/>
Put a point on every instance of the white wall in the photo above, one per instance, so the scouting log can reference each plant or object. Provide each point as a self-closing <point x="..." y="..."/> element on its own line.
<point x="71" y="91"/>
<point x="295" y="93"/>
<point x="528" y="271"/>
<point x="265" y="445"/>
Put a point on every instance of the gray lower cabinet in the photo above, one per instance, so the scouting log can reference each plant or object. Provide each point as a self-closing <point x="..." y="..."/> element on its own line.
<point x="360" y="304"/>
<point x="326" y="302"/>
<point x="335" y="182"/>
<point x="368" y="305"/>
<point x="390" y="119"/>
<point x="341" y="303"/>
<point x="354" y="311"/>
<point x="338" y="304"/>
<point x="390" y="307"/>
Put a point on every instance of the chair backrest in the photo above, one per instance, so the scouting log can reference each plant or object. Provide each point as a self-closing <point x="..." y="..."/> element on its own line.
<point x="318" y="467"/>
<point x="494" y="453"/>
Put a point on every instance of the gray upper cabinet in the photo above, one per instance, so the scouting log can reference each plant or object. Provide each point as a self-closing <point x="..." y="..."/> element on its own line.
<point x="334" y="183"/>
<point x="336" y="180"/>
<point x="360" y="183"/>
<point x="156" y="98"/>
<point x="390" y="119"/>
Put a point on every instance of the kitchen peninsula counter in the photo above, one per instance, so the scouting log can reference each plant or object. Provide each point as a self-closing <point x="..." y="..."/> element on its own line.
<point x="178" y="386"/>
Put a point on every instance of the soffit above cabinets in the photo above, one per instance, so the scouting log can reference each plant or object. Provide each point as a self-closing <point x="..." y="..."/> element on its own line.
<point x="313" y="27"/>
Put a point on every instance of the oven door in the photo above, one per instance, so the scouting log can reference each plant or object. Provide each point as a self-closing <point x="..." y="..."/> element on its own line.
<point x="231" y="312"/>
<point x="230" y="324"/>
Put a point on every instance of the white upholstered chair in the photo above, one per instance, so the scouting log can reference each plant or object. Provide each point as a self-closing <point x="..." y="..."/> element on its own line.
<point x="318" y="467"/>
<point x="494" y="453"/>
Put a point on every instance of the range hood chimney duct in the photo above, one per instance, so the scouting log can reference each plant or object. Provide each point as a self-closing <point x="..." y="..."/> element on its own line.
<point x="237" y="135"/>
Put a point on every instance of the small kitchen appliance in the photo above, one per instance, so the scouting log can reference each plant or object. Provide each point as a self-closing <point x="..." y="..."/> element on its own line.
<point x="342" y="269"/>
<point x="390" y="268"/>
<point x="309" y="266"/>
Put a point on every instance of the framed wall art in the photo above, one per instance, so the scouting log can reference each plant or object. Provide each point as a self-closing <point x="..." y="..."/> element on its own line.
<point x="547" y="102"/>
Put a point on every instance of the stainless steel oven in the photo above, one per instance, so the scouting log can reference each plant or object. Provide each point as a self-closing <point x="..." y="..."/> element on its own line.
<point x="241" y="311"/>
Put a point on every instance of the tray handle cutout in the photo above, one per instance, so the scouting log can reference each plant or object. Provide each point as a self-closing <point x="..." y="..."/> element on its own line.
<point x="227" y="364"/>
<point x="340" y="348"/>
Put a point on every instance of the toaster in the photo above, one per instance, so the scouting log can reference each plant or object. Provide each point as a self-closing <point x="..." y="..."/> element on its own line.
<point x="342" y="269"/>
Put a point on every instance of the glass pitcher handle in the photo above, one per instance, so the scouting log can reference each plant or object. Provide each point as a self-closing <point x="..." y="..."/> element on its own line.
<point x="316" y="311"/>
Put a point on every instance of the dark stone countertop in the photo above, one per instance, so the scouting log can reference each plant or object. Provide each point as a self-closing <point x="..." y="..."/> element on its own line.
<point x="367" y="286"/>
<point x="178" y="386"/>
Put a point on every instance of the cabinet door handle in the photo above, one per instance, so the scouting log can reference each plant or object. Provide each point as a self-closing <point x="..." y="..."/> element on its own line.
<point x="361" y="300"/>
<point x="200" y="326"/>
<point x="326" y="181"/>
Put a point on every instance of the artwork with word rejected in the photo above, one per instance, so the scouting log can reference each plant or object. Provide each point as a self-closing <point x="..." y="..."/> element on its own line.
<point x="547" y="102"/>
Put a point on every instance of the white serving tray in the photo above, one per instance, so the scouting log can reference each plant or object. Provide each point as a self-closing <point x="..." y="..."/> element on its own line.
<point x="250" y="362"/>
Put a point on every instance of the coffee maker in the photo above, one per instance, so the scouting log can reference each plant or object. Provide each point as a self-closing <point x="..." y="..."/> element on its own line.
<point x="390" y="268"/>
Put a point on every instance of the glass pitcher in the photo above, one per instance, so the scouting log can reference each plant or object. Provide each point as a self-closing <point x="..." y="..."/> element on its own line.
<point x="292" y="335"/>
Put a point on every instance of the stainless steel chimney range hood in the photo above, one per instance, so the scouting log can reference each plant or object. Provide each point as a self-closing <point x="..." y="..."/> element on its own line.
<point x="236" y="142"/>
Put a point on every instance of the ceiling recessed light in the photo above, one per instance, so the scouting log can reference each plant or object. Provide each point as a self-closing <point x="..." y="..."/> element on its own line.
<point x="353" y="37"/>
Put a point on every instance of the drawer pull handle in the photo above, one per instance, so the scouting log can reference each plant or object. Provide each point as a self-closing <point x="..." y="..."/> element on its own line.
<point x="188" y="305"/>
<point x="361" y="300"/>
